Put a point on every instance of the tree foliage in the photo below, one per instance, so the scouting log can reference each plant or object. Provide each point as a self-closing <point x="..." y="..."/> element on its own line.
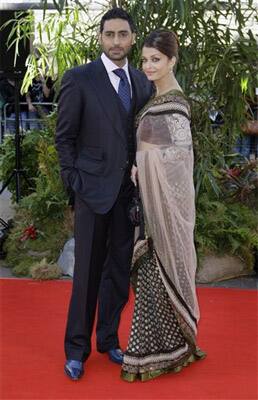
<point x="217" y="67"/>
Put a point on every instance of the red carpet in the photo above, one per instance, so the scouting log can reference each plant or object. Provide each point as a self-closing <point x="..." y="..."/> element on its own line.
<point x="31" y="365"/>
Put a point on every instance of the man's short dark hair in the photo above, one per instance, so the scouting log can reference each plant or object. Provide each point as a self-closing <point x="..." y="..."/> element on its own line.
<point x="114" y="13"/>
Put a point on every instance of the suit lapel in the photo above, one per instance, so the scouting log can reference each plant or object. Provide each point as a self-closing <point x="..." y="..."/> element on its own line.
<point x="107" y="96"/>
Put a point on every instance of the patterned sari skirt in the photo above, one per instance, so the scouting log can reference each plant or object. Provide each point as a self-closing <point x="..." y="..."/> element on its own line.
<point x="157" y="343"/>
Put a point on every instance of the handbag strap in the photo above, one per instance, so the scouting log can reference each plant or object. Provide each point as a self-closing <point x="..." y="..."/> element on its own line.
<point x="141" y="230"/>
<point x="142" y="224"/>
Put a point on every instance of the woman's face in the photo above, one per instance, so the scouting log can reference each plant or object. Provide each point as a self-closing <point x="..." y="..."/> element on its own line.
<point x="155" y="64"/>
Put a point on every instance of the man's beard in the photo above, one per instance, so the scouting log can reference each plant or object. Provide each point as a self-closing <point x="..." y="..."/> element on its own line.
<point x="116" y="57"/>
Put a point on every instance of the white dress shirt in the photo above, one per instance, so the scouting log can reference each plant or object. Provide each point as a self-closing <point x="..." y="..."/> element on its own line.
<point x="110" y="66"/>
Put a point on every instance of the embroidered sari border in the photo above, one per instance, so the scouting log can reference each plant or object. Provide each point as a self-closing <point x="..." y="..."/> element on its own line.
<point x="175" y="290"/>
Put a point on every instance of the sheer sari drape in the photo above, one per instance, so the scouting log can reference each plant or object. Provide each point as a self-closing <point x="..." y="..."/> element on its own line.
<point x="165" y="174"/>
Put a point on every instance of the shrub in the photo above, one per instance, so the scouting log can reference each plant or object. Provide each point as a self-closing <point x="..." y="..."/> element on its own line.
<point x="223" y="227"/>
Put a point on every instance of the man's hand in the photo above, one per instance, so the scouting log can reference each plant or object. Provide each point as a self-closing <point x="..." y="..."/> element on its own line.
<point x="32" y="108"/>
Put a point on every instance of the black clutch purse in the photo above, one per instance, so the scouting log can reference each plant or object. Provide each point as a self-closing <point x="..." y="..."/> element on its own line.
<point x="135" y="209"/>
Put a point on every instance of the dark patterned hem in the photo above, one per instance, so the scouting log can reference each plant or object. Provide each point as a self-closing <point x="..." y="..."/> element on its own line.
<point x="149" y="372"/>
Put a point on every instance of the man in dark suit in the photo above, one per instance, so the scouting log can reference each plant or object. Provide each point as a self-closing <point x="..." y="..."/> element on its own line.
<point x="95" y="140"/>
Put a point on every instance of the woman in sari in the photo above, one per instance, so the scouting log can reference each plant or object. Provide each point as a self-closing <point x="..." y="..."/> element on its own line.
<point x="166" y="312"/>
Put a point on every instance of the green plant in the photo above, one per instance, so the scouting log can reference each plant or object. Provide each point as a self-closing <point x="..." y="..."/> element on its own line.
<point x="240" y="182"/>
<point x="40" y="228"/>
<point x="24" y="252"/>
<point x="29" y="162"/>
<point x="30" y="150"/>
<point x="230" y="228"/>
<point x="49" y="199"/>
<point x="64" y="40"/>
<point x="43" y="270"/>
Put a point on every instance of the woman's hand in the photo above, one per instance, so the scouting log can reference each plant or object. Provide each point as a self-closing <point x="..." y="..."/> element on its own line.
<point x="134" y="175"/>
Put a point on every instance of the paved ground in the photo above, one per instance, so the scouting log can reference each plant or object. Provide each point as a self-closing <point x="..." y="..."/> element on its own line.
<point x="5" y="272"/>
<point x="7" y="212"/>
<point x="245" y="282"/>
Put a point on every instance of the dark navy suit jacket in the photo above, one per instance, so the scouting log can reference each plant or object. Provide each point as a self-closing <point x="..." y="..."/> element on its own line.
<point x="90" y="137"/>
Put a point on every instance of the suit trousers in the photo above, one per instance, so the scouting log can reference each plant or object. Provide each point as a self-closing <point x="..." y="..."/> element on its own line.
<point x="103" y="253"/>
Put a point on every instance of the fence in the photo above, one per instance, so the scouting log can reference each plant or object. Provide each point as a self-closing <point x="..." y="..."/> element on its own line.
<point x="27" y="120"/>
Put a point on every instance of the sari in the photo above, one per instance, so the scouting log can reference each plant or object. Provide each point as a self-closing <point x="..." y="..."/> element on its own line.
<point x="166" y="312"/>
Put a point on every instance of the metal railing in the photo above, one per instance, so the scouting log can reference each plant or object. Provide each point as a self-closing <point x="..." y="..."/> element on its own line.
<point x="7" y="123"/>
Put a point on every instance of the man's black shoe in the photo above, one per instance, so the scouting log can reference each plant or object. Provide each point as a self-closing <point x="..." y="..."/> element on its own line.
<point x="116" y="356"/>
<point x="74" y="369"/>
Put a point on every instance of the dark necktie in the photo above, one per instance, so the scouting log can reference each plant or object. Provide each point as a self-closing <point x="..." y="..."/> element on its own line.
<point x="124" y="90"/>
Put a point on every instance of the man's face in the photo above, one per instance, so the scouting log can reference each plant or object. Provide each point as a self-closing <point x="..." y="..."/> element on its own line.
<point x="116" y="40"/>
